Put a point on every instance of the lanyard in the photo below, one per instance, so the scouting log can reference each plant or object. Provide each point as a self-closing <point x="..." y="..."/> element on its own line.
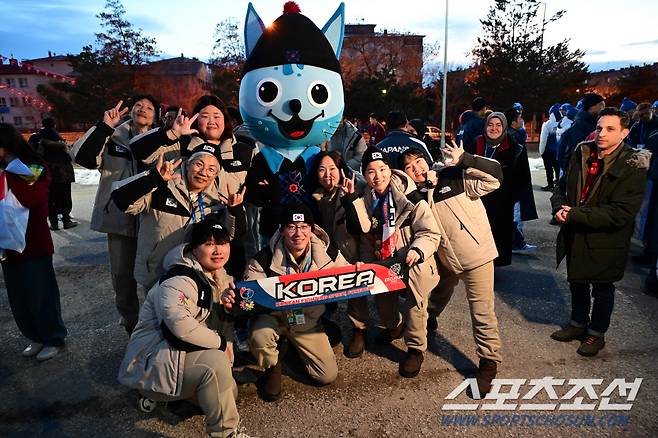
<point x="202" y="214"/>
<point x="486" y="151"/>
<point x="307" y="262"/>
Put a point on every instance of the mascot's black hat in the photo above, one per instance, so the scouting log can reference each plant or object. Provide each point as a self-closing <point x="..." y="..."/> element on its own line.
<point x="292" y="39"/>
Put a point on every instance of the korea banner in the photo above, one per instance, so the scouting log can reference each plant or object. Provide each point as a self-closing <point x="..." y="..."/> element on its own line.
<point x="295" y="291"/>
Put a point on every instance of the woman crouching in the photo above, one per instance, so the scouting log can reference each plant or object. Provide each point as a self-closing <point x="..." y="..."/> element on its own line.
<point x="173" y="354"/>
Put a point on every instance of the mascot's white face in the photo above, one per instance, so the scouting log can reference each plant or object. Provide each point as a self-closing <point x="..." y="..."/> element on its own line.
<point x="290" y="106"/>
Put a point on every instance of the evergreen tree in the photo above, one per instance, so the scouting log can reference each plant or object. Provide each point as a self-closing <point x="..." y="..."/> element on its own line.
<point x="120" y="41"/>
<point x="99" y="82"/>
<point x="103" y="75"/>
<point x="512" y="62"/>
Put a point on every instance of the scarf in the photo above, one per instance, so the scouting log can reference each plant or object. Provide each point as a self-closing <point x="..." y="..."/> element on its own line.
<point x="384" y="215"/>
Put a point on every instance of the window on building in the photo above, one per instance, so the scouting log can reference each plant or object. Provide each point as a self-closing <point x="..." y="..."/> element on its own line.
<point x="13" y="101"/>
<point x="10" y="81"/>
<point x="3" y="102"/>
<point x="29" y="120"/>
<point x="22" y="82"/>
<point x="18" y="120"/>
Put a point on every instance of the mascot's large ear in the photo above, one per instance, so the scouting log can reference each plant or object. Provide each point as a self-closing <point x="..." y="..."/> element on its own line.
<point x="253" y="29"/>
<point x="334" y="30"/>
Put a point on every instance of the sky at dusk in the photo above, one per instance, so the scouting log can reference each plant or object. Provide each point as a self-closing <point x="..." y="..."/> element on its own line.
<point x="612" y="33"/>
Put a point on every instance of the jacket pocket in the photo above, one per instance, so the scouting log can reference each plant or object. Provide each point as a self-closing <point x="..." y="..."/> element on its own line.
<point x="604" y="241"/>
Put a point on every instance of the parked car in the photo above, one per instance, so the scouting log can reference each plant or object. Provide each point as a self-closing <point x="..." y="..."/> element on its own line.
<point x="435" y="133"/>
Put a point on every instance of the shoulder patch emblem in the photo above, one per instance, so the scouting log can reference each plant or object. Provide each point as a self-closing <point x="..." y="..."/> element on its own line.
<point x="170" y="202"/>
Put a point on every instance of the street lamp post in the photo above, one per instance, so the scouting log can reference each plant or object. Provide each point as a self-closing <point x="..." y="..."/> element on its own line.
<point x="445" y="81"/>
<point x="543" y="26"/>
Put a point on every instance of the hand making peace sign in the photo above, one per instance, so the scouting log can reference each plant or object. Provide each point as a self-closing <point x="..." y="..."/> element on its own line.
<point x="112" y="117"/>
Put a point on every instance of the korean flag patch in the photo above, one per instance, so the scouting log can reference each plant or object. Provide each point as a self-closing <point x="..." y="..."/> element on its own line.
<point x="298" y="217"/>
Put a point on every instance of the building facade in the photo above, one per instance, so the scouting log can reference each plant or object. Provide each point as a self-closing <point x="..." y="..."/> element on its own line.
<point x="20" y="102"/>
<point x="176" y="81"/>
<point x="371" y="53"/>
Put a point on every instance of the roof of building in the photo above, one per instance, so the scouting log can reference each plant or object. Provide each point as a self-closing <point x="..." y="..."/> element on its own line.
<point x="13" y="69"/>
<point x="48" y="58"/>
<point x="176" y="66"/>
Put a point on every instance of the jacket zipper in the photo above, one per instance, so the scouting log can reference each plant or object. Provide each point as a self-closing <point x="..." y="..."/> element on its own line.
<point x="462" y="227"/>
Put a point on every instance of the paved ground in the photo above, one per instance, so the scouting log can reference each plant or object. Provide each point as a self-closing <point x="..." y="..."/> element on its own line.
<point x="77" y="394"/>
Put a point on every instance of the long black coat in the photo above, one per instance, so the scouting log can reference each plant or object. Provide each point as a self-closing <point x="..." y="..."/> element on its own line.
<point x="56" y="154"/>
<point x="583" y="125"/>
<point x="596" y="237"/>
<point x="499" y="204"/>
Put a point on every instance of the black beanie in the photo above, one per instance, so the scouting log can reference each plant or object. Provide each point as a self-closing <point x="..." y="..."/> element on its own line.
<point x="373" y="154"/>
<point x="209" y="148"/>
<point x="292" y="39"/>
<point x="591" y="99"/>
<point x="296" y="213"/>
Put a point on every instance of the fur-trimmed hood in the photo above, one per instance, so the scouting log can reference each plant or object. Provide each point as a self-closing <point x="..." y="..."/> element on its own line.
<point x="641" y="159"/>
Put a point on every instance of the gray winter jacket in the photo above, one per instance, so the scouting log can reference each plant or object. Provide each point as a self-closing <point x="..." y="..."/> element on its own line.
<point x="172" y="321"/>
<point x="107" y="149"/>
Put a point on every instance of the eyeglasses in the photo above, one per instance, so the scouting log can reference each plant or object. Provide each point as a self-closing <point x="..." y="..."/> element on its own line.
<point x="199" y="166"/>
<point x="292" y="229"/>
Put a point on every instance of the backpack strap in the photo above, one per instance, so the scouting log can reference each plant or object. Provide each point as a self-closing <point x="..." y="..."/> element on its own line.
<point x="204" y="298"/>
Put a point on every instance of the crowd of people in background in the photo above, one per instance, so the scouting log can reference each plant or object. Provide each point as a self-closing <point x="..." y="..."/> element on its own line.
<point x="189" y="203"/>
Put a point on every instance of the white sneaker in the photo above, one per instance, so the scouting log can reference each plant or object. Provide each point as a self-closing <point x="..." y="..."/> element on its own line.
<point x="526" y="250"/>
<point x="48" y="353"/>
<point x="32" y="349"/>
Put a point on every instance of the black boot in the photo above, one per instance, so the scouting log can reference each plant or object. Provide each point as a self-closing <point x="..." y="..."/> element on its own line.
<point x="269" y="384"/>
<point x="54" y="223"/>
<point x="389" y="335"/>
<point x="410" y="365"/>
<point x="357" y="344"/>
<point x="485" y="375"/>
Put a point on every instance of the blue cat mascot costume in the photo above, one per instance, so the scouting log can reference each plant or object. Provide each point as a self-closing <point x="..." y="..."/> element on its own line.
<point x="291" y="99"/>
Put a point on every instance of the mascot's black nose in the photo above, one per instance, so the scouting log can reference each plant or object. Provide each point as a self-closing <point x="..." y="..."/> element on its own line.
<point x="295" y="106"/>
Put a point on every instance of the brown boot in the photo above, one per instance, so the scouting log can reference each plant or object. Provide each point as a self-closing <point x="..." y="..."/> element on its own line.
<point x="388" y="336"/>
<point x="485" y="375"/>
<point x="569" y="333"/>
<point x="269" y="384"/>
<point x="357" y="344"/>
<point x="410" y="366"/>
